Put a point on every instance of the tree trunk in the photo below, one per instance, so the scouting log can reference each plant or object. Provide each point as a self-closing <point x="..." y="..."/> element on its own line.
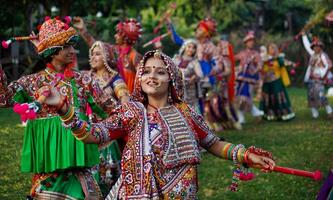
<point x="65" y="7"/>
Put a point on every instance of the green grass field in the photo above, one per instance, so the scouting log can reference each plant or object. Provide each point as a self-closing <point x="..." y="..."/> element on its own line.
<point x="302" y="143"/>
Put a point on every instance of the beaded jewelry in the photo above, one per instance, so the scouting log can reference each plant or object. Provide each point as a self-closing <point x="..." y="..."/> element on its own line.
<point x="239" y="155"/>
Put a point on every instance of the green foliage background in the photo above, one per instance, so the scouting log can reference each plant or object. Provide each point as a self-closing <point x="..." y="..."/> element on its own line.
<point x="282" y="19"/>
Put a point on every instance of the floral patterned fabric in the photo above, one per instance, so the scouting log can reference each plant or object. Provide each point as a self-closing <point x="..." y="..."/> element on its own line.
<point x="145" y="171"/>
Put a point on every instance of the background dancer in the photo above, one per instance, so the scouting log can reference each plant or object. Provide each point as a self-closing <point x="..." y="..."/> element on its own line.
<point x="247" y="77"/>
<point x="128" y="33"/>
<point x="316" y="76"/>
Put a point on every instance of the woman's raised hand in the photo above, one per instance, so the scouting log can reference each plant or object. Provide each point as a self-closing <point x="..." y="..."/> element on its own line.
<point x="34" y="40"/>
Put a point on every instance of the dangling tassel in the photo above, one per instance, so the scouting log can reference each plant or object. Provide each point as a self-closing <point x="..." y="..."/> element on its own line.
<point x="27" y="111"/>
<point x="89" y="111"/>
<point x="246" y="176"/>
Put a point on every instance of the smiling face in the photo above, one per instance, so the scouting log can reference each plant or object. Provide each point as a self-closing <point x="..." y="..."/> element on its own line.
<point x="96" y="59"/>
<point x="64" y="56"/>
<point x="155" y="78"/>
<point x="190" y="50"/>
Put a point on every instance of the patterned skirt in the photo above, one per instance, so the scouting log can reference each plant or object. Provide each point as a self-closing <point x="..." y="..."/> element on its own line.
<point x="68" y="185"/>
<point x="275" y="101"/>
<point x="220" y="110"/>
<point x="316" y="95"/>
<point x="108" y="170"/>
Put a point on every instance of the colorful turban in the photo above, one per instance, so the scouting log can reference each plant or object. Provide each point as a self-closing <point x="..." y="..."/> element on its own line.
<point x="208" y="25"/>
<point x="53" y="35"/>
<point x="249" y="36"/>
<point x="130" y="29"/>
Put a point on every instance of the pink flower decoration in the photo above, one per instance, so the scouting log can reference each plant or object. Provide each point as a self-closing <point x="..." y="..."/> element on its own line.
<point x="67" y="19"/>
<point x="47" y="18"/>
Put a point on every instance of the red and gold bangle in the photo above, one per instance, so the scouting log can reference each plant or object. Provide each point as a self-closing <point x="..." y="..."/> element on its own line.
<point x="64" y="116"/>
<point x="80" y="131"/>
<point x="246" y="156"/>
<point x="84" y="137"/>
<point x="240" y="155"/>
<point x="121" y="90"/>
<point x="69" y="115"/>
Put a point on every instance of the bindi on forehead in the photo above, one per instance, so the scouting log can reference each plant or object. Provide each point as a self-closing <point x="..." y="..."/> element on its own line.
<point x="155" y="67"/>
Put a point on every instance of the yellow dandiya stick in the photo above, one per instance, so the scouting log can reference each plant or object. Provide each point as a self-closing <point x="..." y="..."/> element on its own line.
<point x="5" y="44"/>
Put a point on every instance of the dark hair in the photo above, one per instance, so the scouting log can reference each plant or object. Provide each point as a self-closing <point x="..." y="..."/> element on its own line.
<point x="49" y="58"/>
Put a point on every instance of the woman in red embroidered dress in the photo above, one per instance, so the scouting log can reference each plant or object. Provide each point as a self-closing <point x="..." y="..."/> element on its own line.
<point x="109" y="90"/>
<point x="161" y="156"/>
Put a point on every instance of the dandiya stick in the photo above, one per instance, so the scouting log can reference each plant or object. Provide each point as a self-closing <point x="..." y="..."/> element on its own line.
<point x="316" y="175"/>
<point x="156" y="39"/>
<point x="5" y="44"/>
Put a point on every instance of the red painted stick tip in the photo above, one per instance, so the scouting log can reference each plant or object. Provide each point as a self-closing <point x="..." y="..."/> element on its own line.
<point x="317" y="175"/>
<point x="4" y="44"/>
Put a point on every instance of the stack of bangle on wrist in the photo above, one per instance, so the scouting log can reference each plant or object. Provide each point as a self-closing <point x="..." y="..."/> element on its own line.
<point x="235" y="152"/>
<point x="80" y="131"/>
<point x="68" y="116"/>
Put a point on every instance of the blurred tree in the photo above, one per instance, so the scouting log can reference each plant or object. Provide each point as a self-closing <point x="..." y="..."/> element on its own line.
<point x="275" y="19"/>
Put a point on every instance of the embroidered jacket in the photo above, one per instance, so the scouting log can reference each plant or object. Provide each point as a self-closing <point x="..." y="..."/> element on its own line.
<point x="156" y="163"/>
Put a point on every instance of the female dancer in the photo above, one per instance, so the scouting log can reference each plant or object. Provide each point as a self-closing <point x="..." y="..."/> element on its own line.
<point x="128" y="33"/>
<point x="109" y="90"/>
<point x="161" y="156"/>
<point x="188" y="63"/>
<point x="275" y="101"/>
<point x="247" y="78"/>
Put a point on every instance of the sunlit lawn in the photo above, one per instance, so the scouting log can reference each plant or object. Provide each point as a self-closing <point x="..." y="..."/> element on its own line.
<point x="302" y="143"/>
